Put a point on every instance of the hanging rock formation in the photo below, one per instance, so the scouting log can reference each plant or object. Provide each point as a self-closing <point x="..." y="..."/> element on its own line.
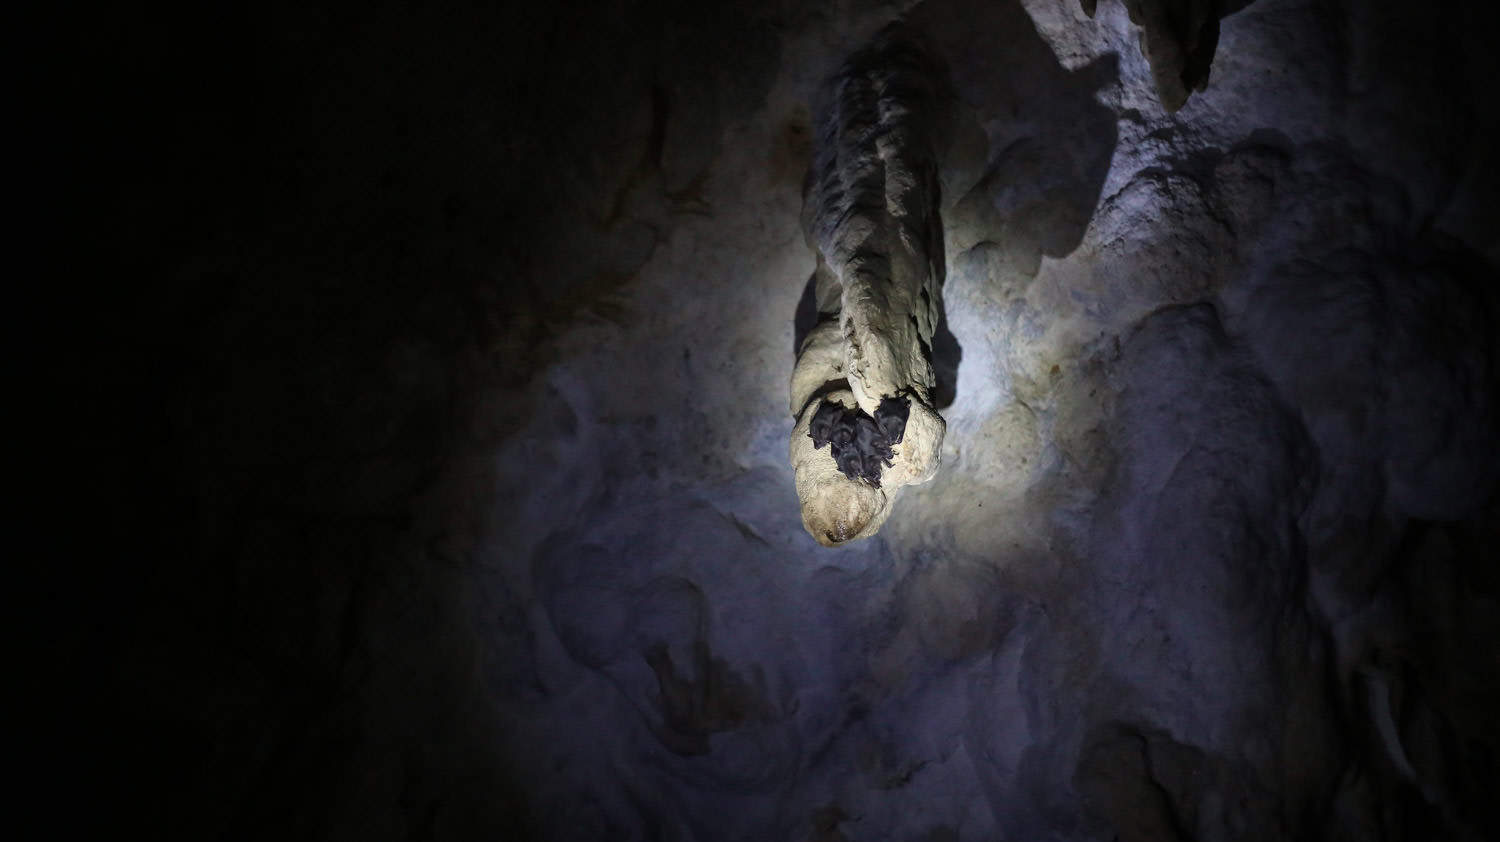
<point x="871" y="213"/>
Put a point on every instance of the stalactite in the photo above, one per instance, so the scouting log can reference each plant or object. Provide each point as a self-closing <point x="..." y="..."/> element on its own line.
<point x="871" y="212"/>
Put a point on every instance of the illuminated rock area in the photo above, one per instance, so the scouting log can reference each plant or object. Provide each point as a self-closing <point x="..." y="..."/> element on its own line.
<point x="871" y="210"/>
<point x="469" y="374"/>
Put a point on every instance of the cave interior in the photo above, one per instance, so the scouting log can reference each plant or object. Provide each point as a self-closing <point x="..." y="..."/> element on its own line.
<point x="435" y="397"/>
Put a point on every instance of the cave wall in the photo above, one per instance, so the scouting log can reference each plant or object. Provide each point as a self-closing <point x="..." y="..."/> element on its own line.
<point x="451" y="460"/>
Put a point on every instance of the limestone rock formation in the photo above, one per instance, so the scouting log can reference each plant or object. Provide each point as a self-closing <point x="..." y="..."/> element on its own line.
<point x="872" y="212"/>
<point x="1178" y="38"/>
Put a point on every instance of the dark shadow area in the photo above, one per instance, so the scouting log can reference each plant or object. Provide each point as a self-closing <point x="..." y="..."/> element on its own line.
<point x="1178" y="39"/>
<point x="946" y="355"/>
<point x="1050" y="141"/>
<point x="806" y="317"/>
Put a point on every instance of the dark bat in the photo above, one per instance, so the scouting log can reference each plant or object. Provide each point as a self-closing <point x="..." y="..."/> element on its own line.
<point x="851" y="463"/>
<point x="870" y="439"/>
<point x="861" y="445"/>
<point x="821" y="427"/>
<point x="891" y="415"/>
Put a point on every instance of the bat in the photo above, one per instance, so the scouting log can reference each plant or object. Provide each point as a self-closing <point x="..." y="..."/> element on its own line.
<point x="861" y="445"/>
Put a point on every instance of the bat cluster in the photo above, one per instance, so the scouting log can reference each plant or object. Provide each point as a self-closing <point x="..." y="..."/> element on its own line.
<point x="861" y="444"/>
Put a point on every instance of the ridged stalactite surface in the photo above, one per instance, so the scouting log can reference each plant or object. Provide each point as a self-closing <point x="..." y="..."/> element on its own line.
<point x="871" y="211"/>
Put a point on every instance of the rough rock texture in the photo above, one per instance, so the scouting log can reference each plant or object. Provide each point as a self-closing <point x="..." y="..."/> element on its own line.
<point x="456" y="500"/>
<point x="1178" y="38"/>
<point x="871" y="212"/>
